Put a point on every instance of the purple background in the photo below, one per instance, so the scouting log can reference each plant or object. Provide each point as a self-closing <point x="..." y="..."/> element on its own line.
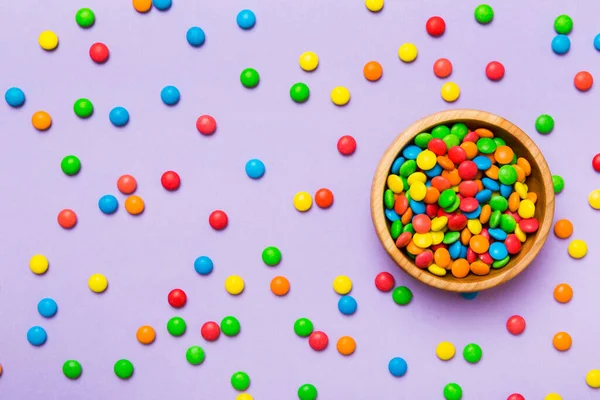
<point x="145" y="257"/>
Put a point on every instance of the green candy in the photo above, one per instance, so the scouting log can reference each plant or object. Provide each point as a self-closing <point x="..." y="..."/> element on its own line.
<point x="195" y="355"/>
<point x="396" y="229"/>
<point x="307" y="392"/>
<point x="459" y="130"/>
<point x="563" y="24"/>
<point x="230" y="326"/>
<point x="409" y="228"/>
<point x="404" y="181"/>
<point x="544" y="124"/>
<point x="447" y="198"/>
<point x="498" y="203"/>
<point x="422" y="139"/>
<point x="407" y="194"/>
<point x="495" y="219"/>
<point x="484" y="14"/>
<point x="508" y="223"/>
<point x="454" y="206"/>
<point x="407" y="168"/>
<point x="299" y="92"/>
<point x="451" y="237"/>
<point x="501" y="263"/>
<point x="558" y="182"/>
<point x="514" y="160"/>
<point x="388" y="200"/>
<point x="472" y="353"/>
<point x="176" y="326"/>
<point x="83" y="108"/>
<point x="123" y="369"/>
<point x="85" y="17"/>
<point x="402" y="295"/>
<point x="440" y="131"/>
<point x="249" y="78"/>
<point x="452" y="392"/>
<point x="70" y="165"/>
<point x="240" y="381"/>
<point x="72" y="369"/>
<point x="303" y="327"/>
<point x="271" y="256"/>
<point x="499" y="142"/>
<point x="507" y="175"/>
<point x="451" y="140"/>
<point x="486" y="145"/>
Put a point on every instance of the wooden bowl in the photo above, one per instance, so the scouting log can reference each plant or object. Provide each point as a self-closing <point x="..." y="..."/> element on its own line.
<point x="540" y="182"/>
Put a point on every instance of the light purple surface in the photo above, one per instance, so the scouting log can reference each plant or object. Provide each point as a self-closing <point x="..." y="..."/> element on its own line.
<point x="145" y="257"/>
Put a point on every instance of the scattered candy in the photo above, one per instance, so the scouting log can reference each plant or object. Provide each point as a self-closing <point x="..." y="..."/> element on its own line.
<point x="563" y="229"/>
<point x="134" y="205"/>
<point x="452" y="391"/>
<point x="592" y="378"/>
<point x="442" y="68"/>
<point x="307" y="392"/>
<point x="342" y="285"/>
<point x="99" y="53"/>
<point x="246" y="19"/>
<point x="206" y="125"/>
<point x="47" y="307"/>
<point x="299" y="92"/>
<point x="303" y="327"/>
<point x="85" y="17"/>
<point x="469" y="296"/>
<point x="435" y="26"/>
<point x="563" y="24"/>
<point x="36" y="336"/>
<point x="240" y="381"/>
<point x="280" y="286"/>
<point x="553" y="396"/>
<point x="397" y="367"/>
<point x="484" y="14"/>
<point x="203" y="265"/>
<point x="195" y="355"/>
<point x="170" y="180"/>
<point x="372" y="71"/>
<point x="72" y="369"/>
<point x="195" y="36"/>
<point x="145" y="334"/>
<point x="562" y="341"/>
<point x="494" y="71"/>
<point x="346" y="345"/>
<point x="561" y="44"/>
<point x="309" y="61"/>
<point x="596" y="162"/>
<point x="374" y="5"/>
<point x="108" y="204"/>
<point x="450" y="92"/>
<point x="97" y="283"/>
<point x="347" y="305"/>
<point x="142" y="6"/>
<point x="48" y="40"/>
<point x="563" y="293"/>
<point x="249" y="78"/>
<point x="83" y="108"/>
<point x="515" y="396"/>
<point x="126" y="184"/>
<point x="123" y="368"/>
<point x="218" y="220"/>
<point x="472" y="353"/>
<point x="594" y="199"/>
<point x="67" y="219"/>
<point x="384" y="281"/>
<point x="324" y="198"/>
<point x="210" y="331"/>
<point x="408" y="52"/>
<point x="230" y="326"/>
<point x="318" y="340"/>
<point x="41" y="120"/>
<point x="170" y="95"/>
<point x="577" y="248"/>
<point x="70" y="165"/>
<point x="340" y="96"/>
<point x="445" y="351"/>
<point x="346" y="145"/>
<point x="255" y="168"/>
<point x="176" y="326"/>
<point x="177" y="298"/>
<point x="402" y="295"/>
<point x="234" y="284"/>
<point x="38" y="264"/>
<point x="162" y="5"/>
<point x="14" y="97"/>
<point x="515" y="325"/>
<point x="244" y="396"/>
<point x="597" y="42"/>
<point x="583" y="81"/>
<point x="302" y="201"/>
<point x="119" y="116"/>
<point x="271" y="256"/>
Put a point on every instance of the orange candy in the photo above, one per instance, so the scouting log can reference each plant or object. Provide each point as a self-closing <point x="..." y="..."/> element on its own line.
<point x="471" y="149"/>
<point x="67" y="218"/>
<point x="562" y="341"/>
<point x="134" y="205"/>
<point x="452" y="176"/>
<point x="373" y="71"/>
<point x="442" y="257"/>
<point x="480" y="268"/>
<point x="532" y="196"/>
<point x="432" y="195"/>
<point x="492" y="172"/>
<point x="280" y="286"/>
<point x="460" y="268"/>
<point x="142" y="6"/>
<point x="41" y="120"/>
<point x="504" y="154"/>
<point x="563" y="293"/>
<point x="324" y="198"/>
<point x="486" y="213"/>
<point x="523" y="163"/>
<point x="520" y="173"/>
<point x="484" y="133"/>
<point x="346" y="345"/>
<point x="445" y="163"/>
<point x="563" y="228"/>
<point x="145" y="334"/>
<point x="407" y="216"/>
<point x="465" y="236"/>
<point x="513" y="201"/>
<point x="413" y="249"/>
<point x="479" y="244"/>
<point x="126" y="184"/>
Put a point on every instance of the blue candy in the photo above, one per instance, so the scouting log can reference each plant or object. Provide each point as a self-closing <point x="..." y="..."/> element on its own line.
<point x="463" y="251"/>
<point x="473" y="214"/>
<point x="597" y="42"/>
<point x="14" y="97"/>
<point x="37" y="336"/>
<point x="195" y="36"/>
<point x="119" y="116"/>
<point x="469" y="296"/>
<point x="170" y="95"/>
<point x="396" y="165"/>
<point x="255" y="168"/>
<point x="498" y="250"/>
<point x="483" y="196"/>
<point x="246" y="19"/>
<point x="347" y="305"/>
<point x="483" y="163"/>
<point x="47" y="307"/>
<point x="397" y="366"/>
<point x="454" y="249"/>
<point x="506" y="191"/>
<point x="433" y="172"/>
<point x="561" y="44"/>
<point x="162" y="5"/>
<point x="203" y="265"/>
<point x="490" y="184"/>
<point x="411" y="152"/>
<point x="418" y="207"/>
<point x="391" y="215"/>
<point x="497" y="234"/>
<point x="108" y="204"/>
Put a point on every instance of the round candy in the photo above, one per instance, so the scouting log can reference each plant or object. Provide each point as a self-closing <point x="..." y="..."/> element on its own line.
<point x="544" y="124"/>
<point x="340" y="96"/>
<point x="445" y="351"/>
<point x="484" y="14"/>
<point x="123" y="369"/>
<point x="70" y="165"/>
<point x="583" y="81"/>
<point x="452" y="391"/>
<point x="280" y="286"/>
<point x="177" y="298"/>
<point x="41" y="120"/>
<point x="67" y="219"/>
<point x="407" y="52"/>
<point x="230" y="326"/>
<point x="145" y="334"/>
<point x="134" y="205"/>
<point x="563" y="293"/>
<point x="397" y="366"/>
<point x="126" y="184"/>
<point x="563" y="24"/>
<point x="206" y="125"/>
<point x="255" y="168"/>
<point x="318" y="341"/>
<point x="83" y="108"/>
<point x="563" y="228"/>
<point x="48" y="40"/>
<point x="119" y="116"/>
<point x="374" y="5"/>
<point x="309" y="61"/>
<point x="240" y="381"/>
<point x="218" y="220"/>
<point x="249" y="78"/>
<point x="99" y="53"/>
<point x="597" y="42"/>
<point x="210" y="331"/>
<point x="472" y="353"/>
<point x="97" y="283"/>
<point x="299" y="92"/>
<point x="246" y="19"/>
<point x="561" y="44"/>
<point x="85" y="17"/>
<point x="72" y="369"/>
<point x="195" y="36"/>
<point x="553" y="396"/>
<point x="594" y="199"/>
<point x="562" y="341"/>
<point x="307" y="392"/>
<point x="469" y="296"/>
<point x="170" y="180"/>
<point x="450" y="92"/>
<point x="47" y="307"/>
<point x="347" y="305"/>
<point x="14" y="97"/>
<point x="592" y="378"/>
<point x="372" y="71"/>
<point x="176" y="326"/>
<point x="271" y="256"/>
<point x="596" y="162"/>
<point x="170" y="95"/>
<point x="303" y="327"/>
<point x="346" y="145"/>
<point x="324" y="198"/>
<point x="302" y="201"/>
<point x="577" y="248"/>
<point x="162" y="5"/>
<point x="402" y="295"/>
<point x="384" y="281"/>
<point x="142" y="6"/>
<point x="516" y="324"/>
<point x="346" y="345"/>
<point x="435" y="26"/>
<point x="38" y="264"/>
<point x="558" y="182"/>
<point x="195" y="355"/>
<point x="515" y="396"/>
<point x="37" y="336"/>
<point x="244" y="396"/>
<point x="234" y="285"/>
<point x="494" y="71"/>
<point x="342" y="284"/>
<point x="203" y="265"/>
<point x="108" y="204"/>
<point x="442" y="68"/>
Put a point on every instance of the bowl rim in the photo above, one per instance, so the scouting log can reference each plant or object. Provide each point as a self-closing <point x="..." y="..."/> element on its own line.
<point x="378" y="188"/>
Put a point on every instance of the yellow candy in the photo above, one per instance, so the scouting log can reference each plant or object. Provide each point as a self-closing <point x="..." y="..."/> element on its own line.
<point x="395" y="183"/>
<point x="474" y="226"/>
<point x="450" y="92"/>
<point x="340" y="96"/>
<point x="553" y="396"/>
<point x="97" y="283"/>
<point x="48" y="40"/>
<point x="374" y="5"/>
<point x="521" y="190"/>
<point x="445" y="351"/>
<point x="302" y="201"/>
<point x="244" y="396"/>
<point x="418" y="190"/>
<point x="526" y="209"/>
<point x="422" y="240"/>
<point x="436" y="237"/>
<point x="38" y="264"/>
<point x="593" y="378"/>
<point x="520" y="234"/>
<point x="426" y="160"/>
<point x="234" y="284"/>
<point x="416" y="177"/>
<point x="438" y="223"/>
<point x="594" y="199"/>
<point x="309" y="61"/>
<point x="436" y="270"/>
<point x="407" y="52"/>
<point x="577" y="248"/>
<point x="342" y="285"/>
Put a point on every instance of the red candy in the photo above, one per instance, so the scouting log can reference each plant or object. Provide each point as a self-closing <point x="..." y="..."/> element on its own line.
<point x="99" y="52"/>
<point x="468" y="189"/>
<point x="438" y="246"/>
<point x="346" y="145"/>
<point x="318" y="340"/>
<point x="457" y="222"/>
<point x="471" y="256"/>
<point x="494" y="71"/>
<point x="485" y="234"/>
<point x="170" y="180"/>
<point x="596" y="162"/>
<point x="421" y="223"/>
<point x="210" y="331"/>
<point x="177" y="298"/>
<point x="515" y="396"/>
<point x="218" y="220"/>
<point x="468" y="204"/>
<point x="401" y="204"/>
<point x="515" y="324"/>
<point x="431" y="210"/>
<point x="583" y="81"/>
<point x="436" y="26"/>
<point x="457" y="154"/>
<point x="516" y="216"/>
<point x="425" y="259"/>
<point x="206" y="125"/>
<point x="403" y="240"/>
<point x="471" y="137"/>
<point x="440" y="183"/>
<point x="442" y="68"/>
<point x="385" y="281"/>
<point x="467" y="170"/>
<point x="486" y="258"/>
<point x="438" y="146"/>
<point x="529" y="225"/>
<point x="513" y="244"/>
